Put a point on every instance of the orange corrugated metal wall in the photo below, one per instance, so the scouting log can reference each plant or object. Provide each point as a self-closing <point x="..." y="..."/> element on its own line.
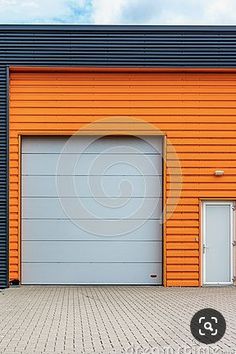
<point x="196" y="110"/>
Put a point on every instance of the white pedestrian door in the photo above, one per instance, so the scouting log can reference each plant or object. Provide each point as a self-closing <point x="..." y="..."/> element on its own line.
<point x="217" y="242"/>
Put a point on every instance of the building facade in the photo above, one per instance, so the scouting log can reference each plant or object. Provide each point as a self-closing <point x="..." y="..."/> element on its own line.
<point x="118" y="155"/>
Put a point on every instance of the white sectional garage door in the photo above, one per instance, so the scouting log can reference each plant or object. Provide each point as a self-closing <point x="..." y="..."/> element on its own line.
<point x="91" y="210"/>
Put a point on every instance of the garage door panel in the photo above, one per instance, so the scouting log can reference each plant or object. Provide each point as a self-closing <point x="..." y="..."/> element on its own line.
<point x="91" y="164"/>
<point x="96" y="273"/>
<point x="96" y="251"/>
<point x="93" y="213"/>
<point x="87" y="230"/>
<point x="87" y="186"/>
<point x="89" y="144"/>
<point x="90" y="208"/>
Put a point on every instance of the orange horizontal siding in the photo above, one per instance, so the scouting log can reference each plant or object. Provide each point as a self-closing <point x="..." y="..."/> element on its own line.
<point x="126" y="104"/>
<point x="183" y="275"/>
<point x="205" y="180"/>
<point x="170" y="98"/>
<point x="195" y="110"/>
<point x="182" y="253"/>
<point x="178" y="119"/>
<point x="201" y="171"/>
<point x="181" y="282"/>
<point x="182" y="261"/>
<point x="106" y="110"/>
<point x="182" y="245"/>
<point x="162" y="89"/>
<point x="171" y="239"/>
<point x="182" y="208"/>
<point x="183" y="268"/>
<point x="182" y="231"/>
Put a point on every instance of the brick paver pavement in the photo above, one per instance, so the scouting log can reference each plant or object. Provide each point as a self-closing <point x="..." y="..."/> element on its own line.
<point x="110" y="319"/>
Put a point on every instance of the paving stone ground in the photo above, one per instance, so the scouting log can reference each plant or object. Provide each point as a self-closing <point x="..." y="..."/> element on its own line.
<point x="110" y="319"/>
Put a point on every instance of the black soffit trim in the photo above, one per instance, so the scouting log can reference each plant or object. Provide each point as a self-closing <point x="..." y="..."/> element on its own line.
<point x="66" y="27"/>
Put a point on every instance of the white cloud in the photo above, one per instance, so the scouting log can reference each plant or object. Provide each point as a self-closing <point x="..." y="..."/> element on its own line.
<point x="221" y="11"/>
<point x="43" y="11"/>
<point x="108" y="12"/>
<point x="119" y="11"/>
<point x="164" y="11"/>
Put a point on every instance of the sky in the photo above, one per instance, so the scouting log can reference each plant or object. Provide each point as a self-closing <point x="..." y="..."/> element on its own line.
<point x="153" y="12"/>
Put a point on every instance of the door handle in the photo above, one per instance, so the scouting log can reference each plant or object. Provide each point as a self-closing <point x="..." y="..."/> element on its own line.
<point x="204" y="248"/>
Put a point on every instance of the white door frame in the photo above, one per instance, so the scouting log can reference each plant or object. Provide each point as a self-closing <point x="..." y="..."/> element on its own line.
<point x="204" y="204"/>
